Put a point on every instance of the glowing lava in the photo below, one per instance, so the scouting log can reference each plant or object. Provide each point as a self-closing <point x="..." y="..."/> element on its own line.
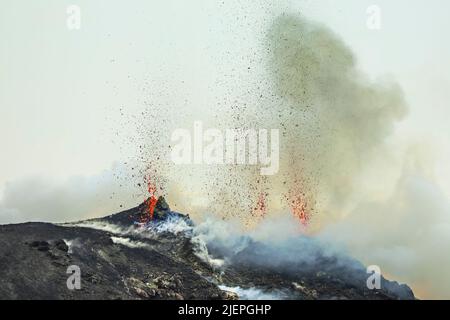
<point x="150" y="203"/>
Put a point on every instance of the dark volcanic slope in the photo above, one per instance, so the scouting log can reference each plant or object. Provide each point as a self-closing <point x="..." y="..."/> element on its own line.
<point x="34" y="258"/>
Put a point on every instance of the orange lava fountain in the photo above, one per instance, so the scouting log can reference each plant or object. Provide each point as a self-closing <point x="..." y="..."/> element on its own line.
<point x="150" y="203"/>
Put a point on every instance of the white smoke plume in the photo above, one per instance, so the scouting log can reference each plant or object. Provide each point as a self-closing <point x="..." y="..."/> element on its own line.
<point x="128" y="242"/>
<point x="344" y="140"/>
<point x="405" y="234"/>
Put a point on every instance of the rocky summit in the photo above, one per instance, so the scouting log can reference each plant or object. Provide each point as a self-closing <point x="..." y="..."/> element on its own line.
<point x="120" y="258"/>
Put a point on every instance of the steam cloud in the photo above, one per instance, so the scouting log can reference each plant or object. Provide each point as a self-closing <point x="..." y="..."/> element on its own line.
<point x="345" y="122"/>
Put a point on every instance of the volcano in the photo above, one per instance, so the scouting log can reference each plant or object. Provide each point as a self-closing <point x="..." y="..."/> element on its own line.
<point x="121" y="258"/>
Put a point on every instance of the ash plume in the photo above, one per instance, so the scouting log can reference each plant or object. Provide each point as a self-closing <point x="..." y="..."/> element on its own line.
<point x="332" y="119"/>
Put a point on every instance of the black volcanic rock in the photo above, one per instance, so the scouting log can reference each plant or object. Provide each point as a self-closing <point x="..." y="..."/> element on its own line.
<point x="117" y="262"/>
<point x="130" y="216"/>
